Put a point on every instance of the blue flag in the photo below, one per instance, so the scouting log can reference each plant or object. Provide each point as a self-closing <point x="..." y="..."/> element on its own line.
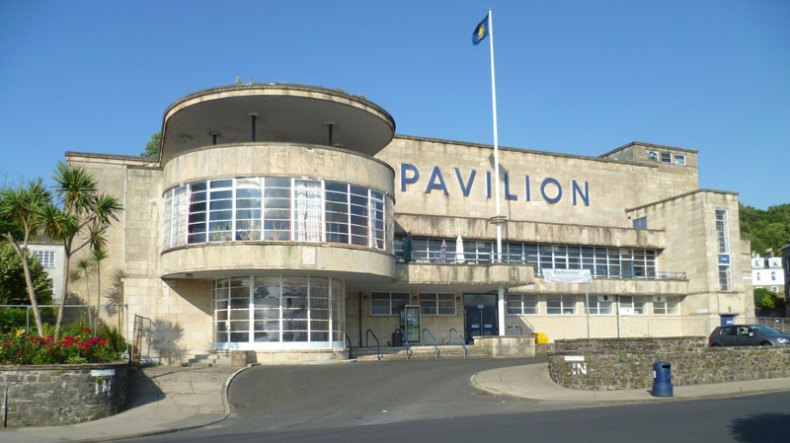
<point x="481" y="31"/>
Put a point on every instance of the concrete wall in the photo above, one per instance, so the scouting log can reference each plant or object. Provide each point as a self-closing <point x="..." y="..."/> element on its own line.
<point x="690" y="220"/>
<point x="283" y="160"/>
<point x="613" y="185"/>
<point x="56" y="395"/>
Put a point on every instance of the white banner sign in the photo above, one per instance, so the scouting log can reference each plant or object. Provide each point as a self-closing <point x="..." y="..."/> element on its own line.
<point x="567" y="276"/>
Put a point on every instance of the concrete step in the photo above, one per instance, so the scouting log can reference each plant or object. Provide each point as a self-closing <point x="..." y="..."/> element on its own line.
<point x="209" y="360"/>
<point x="418" y="353"/>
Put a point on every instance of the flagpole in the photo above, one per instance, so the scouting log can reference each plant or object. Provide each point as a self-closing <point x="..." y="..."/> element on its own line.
<point x="498" y="220"/>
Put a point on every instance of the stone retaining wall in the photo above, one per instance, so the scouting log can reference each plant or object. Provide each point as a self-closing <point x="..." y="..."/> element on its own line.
<point x="54" y="395"/>
<point x="602" y="365"/>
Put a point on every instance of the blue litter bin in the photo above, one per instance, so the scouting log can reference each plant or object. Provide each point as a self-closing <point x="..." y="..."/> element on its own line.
<point x="662" y="379"/>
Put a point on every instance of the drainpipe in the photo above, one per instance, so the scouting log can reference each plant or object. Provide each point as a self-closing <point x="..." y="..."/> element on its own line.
<point x="359" y="316"/>
<point x="253" y="118"/>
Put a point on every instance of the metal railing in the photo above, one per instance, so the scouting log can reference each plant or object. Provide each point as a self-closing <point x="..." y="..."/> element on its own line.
<point x="142" y="340"/>
<point x="779" y="323"/>
<point x="450" y="339"/>
<point x="435" y="342"/>
<point x="368" y="333"/>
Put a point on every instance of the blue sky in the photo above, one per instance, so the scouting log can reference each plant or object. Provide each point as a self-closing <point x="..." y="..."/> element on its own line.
<point x="575" y="77"/>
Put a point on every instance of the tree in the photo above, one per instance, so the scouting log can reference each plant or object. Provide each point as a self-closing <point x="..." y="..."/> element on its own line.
<point x="152" y="147"/>
<point x="765" y="299"/>
<point x="22" y="208"/>
<point x="98" y="255"/>
<point x="768" y="229"/>
<point x="13" y="289"/>
<point x="82" y="270"/>
<point x="115" y="295"/>
<point x="82" y="218"/>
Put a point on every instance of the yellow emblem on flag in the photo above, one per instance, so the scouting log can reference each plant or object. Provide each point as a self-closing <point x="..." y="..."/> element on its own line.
<point x="481" y="31"/>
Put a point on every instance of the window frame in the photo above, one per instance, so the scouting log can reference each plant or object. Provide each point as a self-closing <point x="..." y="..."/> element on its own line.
<point x="670" y="305"/>
<point x="390" y="304"/>
<point x="631" y="307"/>
<point x="567" y="304"/>
<point x="528" y="304"/>
<point x="431" y="304"/>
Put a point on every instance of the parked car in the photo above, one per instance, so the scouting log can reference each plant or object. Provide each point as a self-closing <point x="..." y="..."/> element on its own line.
<point x="747" y="335"/>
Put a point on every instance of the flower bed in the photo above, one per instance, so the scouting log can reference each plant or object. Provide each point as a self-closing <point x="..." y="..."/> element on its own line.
<point x="25" y="349"/>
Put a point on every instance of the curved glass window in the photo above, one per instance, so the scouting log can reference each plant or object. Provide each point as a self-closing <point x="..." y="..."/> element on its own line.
<point x="278" y="311"/>
<point x="274" y="209"/>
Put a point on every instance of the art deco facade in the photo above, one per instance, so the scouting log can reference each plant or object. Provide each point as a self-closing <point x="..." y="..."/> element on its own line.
<point x="277" y="219"/>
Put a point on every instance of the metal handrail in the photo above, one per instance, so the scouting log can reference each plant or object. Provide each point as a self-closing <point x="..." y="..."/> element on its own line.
<point x="405" y="341"/>
<point x="348" y="341"/>
<point x="450" y="339"/>
<point x="378" y="346"/>
<point x="435" y="342"/>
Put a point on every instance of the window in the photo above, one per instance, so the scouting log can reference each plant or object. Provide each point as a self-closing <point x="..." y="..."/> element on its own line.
<point x="561" y="305"/>
<point x="724" y="277"/>
<point x="248" y="209"/>
<point x="307" y="210"/>
<point x="478" y="252"/>
<point x="278" y="309"/>
<point x="220" y="214"/>
<point x="652" y="156"/>
<point x="377" y="204"/>
<point x="722" y="232"/>
<point x="775" y="289"/>
<point x="601" y="305"/>
<point x="522" y="304"/>
<point x="632" y="305"/>
<point x="680" y="160"/>
<point x="640" y="223"/>
<point x="46" y="258"/>
<point x="437" y="304"/>
<point x="386" y="303"/>
<point x="666" y="157"/>
<point x="277" y="208"/>
<point x="197" y="213"/>
<point x="773" y="275"/>
<point x="274" y="209"/>
<point x="665" y="305"/>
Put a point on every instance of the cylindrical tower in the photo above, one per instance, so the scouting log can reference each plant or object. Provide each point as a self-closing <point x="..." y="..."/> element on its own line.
<point x="271" y="193"/>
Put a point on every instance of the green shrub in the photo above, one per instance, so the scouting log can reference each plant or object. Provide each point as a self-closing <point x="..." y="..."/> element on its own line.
<point x="12" y="319"/>
<point x="113" y="337"/>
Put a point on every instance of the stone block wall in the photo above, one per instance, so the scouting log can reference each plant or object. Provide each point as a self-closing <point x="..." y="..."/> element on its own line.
<point x="55" y="395"/>
<point x="604" y="365"/>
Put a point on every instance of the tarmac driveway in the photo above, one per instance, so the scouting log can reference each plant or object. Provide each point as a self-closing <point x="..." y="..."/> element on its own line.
<point x="332" y="395"/>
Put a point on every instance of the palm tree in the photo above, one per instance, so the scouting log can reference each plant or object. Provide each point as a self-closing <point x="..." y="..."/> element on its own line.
<point x="21" y="208"/>
<point x="98" y="255"/>
<point x="81" y="271"/>
<point x="115" y="296"/>
<point x="82" y="219"/>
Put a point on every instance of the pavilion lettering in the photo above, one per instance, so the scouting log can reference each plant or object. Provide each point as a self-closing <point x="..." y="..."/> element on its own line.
<point x="515" y="187"/>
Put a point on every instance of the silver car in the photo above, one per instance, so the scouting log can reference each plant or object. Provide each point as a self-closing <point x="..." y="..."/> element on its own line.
<point x="747" y="335"/>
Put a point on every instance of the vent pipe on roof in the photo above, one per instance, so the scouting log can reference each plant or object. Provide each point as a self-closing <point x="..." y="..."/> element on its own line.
<point x="330" y="125"/>
<point x="254" y="116"/>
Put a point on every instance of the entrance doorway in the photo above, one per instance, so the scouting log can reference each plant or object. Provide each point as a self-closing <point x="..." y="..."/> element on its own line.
<point x="481" y="315"/>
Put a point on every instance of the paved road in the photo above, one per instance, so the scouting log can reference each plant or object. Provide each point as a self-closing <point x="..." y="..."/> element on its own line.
<point x="432" y="401"/>
<point x="365" y="393"/>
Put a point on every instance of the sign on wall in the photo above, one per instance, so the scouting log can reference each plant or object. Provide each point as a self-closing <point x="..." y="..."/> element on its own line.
<point x="567" y="276"/>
